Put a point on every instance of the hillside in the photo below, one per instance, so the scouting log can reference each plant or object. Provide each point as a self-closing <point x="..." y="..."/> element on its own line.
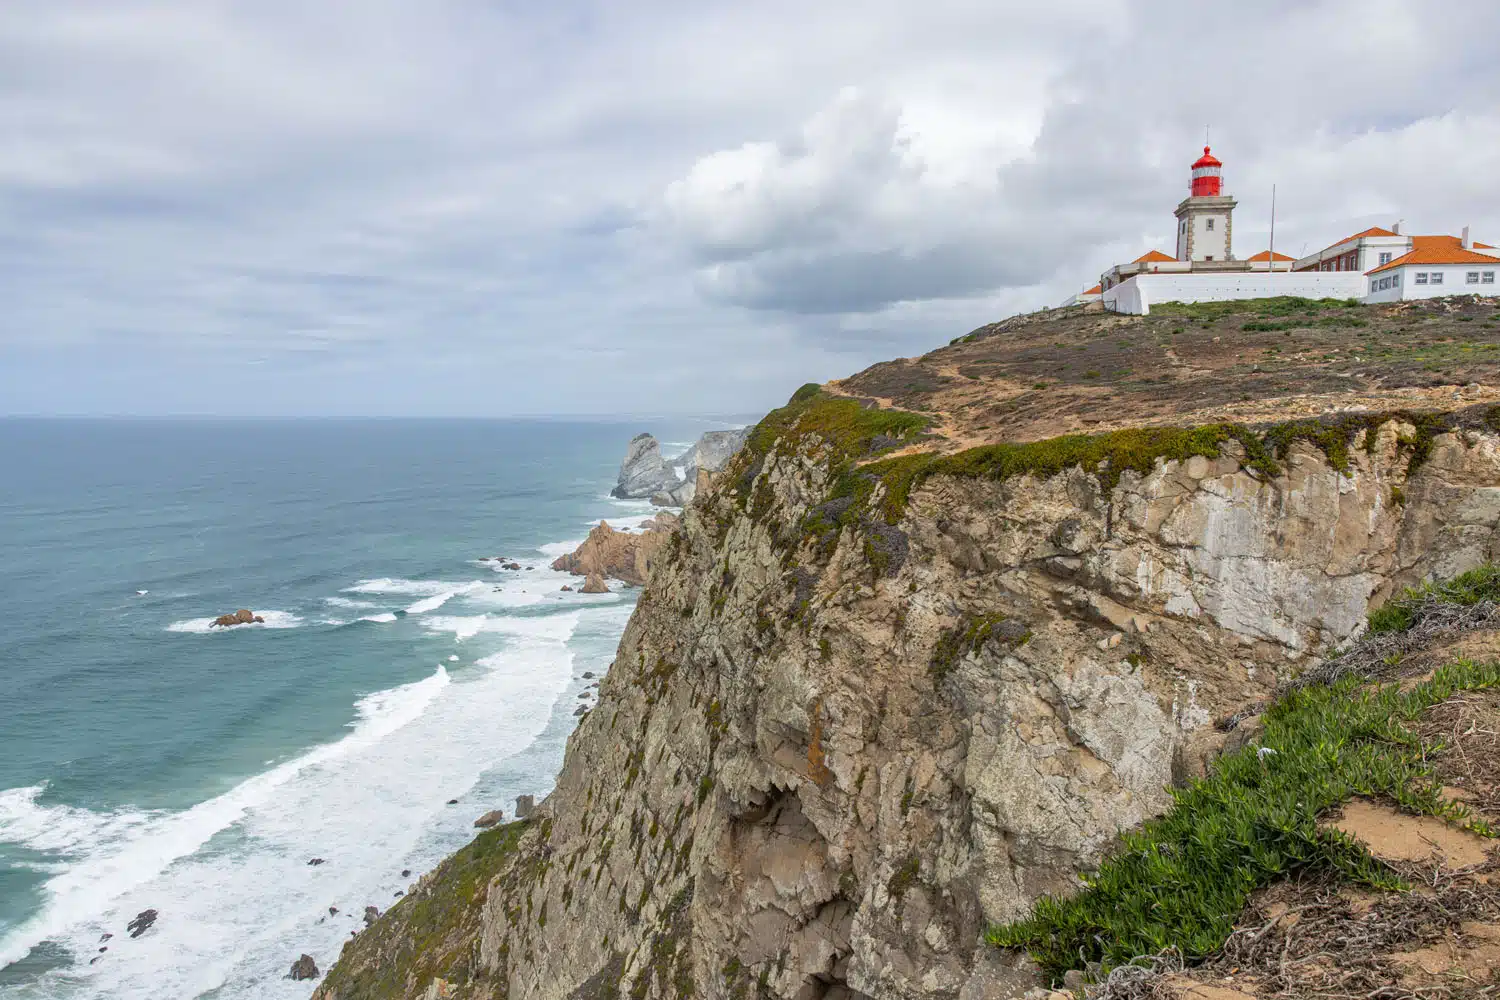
<point x="944" y="629"/>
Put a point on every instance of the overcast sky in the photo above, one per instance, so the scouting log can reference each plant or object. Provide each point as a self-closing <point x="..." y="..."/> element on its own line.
<point x="486" y="207"/>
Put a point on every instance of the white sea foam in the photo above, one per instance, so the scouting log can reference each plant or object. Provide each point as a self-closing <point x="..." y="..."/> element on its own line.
<point x="235" y="912"/>
<point x="384" y="617"/>
<point x="436" y="601"/>
<point x="115" y="854"/>
<point x="554" y="549"/>
<point x="202" y="626"/>
<point x="346" y="602"/>
<point x="412" y="588"/>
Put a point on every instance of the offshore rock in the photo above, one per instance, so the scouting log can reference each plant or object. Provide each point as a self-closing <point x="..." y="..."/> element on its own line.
<point x="142" y="923"/>
<point x="243" y="616"/>
<point x="594" y="585"/>
<point x="643" y="471"/>
<point x="492" y="818"/>
<point x="304" y="968"/>
<point x="623" y="555"/>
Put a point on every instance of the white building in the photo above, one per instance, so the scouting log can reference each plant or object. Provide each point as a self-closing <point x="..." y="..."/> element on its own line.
<point x="1436" y="266"/>
<point x="1377" y="265"/>
<point x="1360" y="252"/>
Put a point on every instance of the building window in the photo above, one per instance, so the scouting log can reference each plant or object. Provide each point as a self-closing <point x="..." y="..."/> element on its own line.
<point x="1385" y="258"/>
<point x="1472" y="278"/>
<point x="1489" y="278"/>
<point x="1437" y="277"/>
<point x="1374" y="285"/>
<point x="1396" y="280"/>
<point x="1421" y="277"/>
<point x="1210" y="226"/>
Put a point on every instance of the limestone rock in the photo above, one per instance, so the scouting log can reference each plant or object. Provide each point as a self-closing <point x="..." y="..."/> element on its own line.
<point x="643" y="471"/>
<point x="492" y="818"/>
<point x="594" y="584"/>
<point x="525" y="804"/>
<point x="304" y="968"/>
<point x="674" y="483"/>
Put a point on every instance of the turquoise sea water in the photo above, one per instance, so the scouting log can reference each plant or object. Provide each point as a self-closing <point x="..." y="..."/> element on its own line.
<point x="147" y="761"/>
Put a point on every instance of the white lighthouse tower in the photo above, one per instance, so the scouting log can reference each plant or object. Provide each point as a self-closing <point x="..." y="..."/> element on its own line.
<point x="1205" y="217"/>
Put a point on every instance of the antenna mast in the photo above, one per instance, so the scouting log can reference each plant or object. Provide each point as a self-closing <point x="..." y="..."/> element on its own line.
<point x="1271" y="253"/>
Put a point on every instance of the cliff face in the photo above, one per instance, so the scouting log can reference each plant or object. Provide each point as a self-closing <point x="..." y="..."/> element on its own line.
<point x="882" y="691"/>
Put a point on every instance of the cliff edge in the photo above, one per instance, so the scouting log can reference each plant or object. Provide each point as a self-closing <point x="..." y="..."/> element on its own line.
<point x="941" y="631"/>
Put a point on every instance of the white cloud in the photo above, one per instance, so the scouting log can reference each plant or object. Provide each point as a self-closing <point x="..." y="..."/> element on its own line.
<point x="392" y="207"/>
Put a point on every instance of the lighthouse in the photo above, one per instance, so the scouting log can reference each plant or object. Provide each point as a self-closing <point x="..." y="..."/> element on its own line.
<point x="1204" y="218"/>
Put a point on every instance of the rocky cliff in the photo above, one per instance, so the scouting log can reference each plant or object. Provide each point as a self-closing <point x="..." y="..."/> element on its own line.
<point x="921" y="650"/>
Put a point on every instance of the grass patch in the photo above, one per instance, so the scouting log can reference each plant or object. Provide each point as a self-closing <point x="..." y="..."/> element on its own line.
<point x="1181" y="880"/>
<point x="1111" y="454"/>
<point x="1466" y="589"/>
<point x="430" y="932"/>
<point x="851" y="428"/>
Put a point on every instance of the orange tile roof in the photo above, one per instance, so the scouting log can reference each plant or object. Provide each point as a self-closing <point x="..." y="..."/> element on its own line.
<point x="1267" y="255"/>
<point x="1152" y="257"/>
<point x="1438" y="250"/>
<point x="1096" y="290"/>
<point x="1372" y="231"/>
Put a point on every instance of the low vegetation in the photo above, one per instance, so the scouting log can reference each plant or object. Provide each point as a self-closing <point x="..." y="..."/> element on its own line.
<point x="1179" y="883"/>
<point x="432" y="932"/>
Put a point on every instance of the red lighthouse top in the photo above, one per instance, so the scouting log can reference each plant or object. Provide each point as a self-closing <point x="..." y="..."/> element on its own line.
<point x="1207" y="181"/>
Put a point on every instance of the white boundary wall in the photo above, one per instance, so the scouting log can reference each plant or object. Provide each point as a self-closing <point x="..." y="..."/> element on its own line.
<point x="1136" y="295"/>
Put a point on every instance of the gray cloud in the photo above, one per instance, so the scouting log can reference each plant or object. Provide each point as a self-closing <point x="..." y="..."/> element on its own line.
<point x="468" y="207"/>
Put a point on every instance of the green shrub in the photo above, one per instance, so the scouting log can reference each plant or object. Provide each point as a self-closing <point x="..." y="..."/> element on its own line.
<point x="1182" y="880"/>
<point x="1399" y="614"/>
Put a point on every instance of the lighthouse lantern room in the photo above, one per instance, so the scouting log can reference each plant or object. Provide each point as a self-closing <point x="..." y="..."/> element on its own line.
<point x="1205" y="217"/>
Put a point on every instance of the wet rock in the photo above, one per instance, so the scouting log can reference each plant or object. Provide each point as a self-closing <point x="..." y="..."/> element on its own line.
<point x="243" y="616"/>
<point x="594" y="585"/>
<point x="142" y="923"/>
<point x="105" y="936"/>
<point x="583" y="694"/>
<point x="406" y="873"/>
<point x="588" y="675"/>
<point x="525" y="804"/>
<point x="315" y="861"/>
<point x="372" y="914"/>
<point x="333" y="911"/>
<point x="304" y="968"/>
<point x="567" y="588"/>
<point x="512" y="565"/>
<point x="399" y="893"/>
<point x="580" y="711"/>
<point x="492" y="818"/>
<point x="453" y="802"/>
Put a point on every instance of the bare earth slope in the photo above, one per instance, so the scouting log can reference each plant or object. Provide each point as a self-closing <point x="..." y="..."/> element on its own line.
<point x="913" y="659"/>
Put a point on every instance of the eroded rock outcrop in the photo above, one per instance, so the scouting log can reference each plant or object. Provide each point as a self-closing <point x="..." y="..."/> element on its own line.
<point x="643" y="471"/>
<point x="644" y="474"/>
<point x="626" y="556"/>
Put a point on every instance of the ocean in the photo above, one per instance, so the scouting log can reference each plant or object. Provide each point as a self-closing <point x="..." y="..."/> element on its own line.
<point x="148" y="761"/>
